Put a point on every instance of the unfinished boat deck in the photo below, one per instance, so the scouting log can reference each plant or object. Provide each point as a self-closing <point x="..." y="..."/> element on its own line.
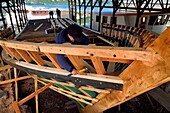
<point x="134" y="65"/>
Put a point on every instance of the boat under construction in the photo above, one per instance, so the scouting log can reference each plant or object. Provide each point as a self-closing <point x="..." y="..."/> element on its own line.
<point x="121" y="62"/>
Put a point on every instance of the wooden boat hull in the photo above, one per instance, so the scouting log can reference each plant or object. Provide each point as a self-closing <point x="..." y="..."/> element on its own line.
<point x="147" y="67"/>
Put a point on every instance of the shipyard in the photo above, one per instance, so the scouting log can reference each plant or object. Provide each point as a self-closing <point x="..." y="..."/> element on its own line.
<point x="85" y="56"/>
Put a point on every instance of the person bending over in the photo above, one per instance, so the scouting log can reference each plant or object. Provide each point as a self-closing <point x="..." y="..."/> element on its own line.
<point x="73" y="34"/>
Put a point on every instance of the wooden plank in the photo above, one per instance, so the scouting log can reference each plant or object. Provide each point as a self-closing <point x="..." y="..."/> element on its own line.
<point x="24" y="55"/>
<point x="89" y="76"/>
<point x="162" y="97"/>
<point x="36" y="57"/>
<point x="16" y="107"/>
<point x="53" y="58"/>
<point x="98" y="64"/>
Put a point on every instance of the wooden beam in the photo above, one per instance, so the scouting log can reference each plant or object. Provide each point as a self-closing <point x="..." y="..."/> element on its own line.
<point x="97" y="51"/>
<point x="13" y="80"/>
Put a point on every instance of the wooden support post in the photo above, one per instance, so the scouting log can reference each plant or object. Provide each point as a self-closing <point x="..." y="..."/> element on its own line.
<point x="16" y="107"/>
<point x="36" y="96"/>
<point x="16" y="85"/>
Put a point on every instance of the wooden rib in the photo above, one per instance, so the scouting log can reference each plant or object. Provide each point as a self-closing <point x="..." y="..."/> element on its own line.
<point x="76" y="61"/>
<point x="53" y="58"/>
<point x="35" y="56"/>
<point x="98" y="64"/>
<point x="24" y="55"/>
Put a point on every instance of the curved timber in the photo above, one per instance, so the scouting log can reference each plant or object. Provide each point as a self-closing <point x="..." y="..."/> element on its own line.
<point x="132" y="63"/>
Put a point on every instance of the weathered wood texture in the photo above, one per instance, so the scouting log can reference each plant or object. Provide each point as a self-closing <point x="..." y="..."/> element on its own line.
<point x="140" y="77"/>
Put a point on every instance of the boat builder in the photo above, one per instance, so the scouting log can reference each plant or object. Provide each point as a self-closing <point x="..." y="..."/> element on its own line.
<point x="58" y="13"/>
<point x="51" y="13"/>
<point x="73" y="34"/>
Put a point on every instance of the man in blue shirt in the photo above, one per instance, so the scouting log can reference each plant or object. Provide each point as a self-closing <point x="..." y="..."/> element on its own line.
<point x="73" y="34"/>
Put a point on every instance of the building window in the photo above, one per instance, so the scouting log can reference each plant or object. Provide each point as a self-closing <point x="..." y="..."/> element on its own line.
<point x="113" y="20"/>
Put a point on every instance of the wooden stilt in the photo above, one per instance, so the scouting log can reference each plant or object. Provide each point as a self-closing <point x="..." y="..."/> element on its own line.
<point x="36" y="96"/>
<point x="16" y="107"/>
<point x="16" y="85"/>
